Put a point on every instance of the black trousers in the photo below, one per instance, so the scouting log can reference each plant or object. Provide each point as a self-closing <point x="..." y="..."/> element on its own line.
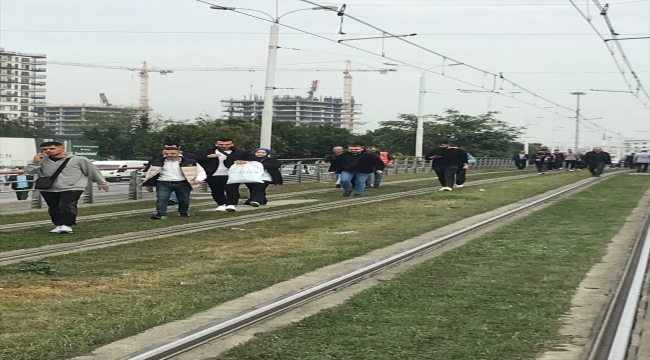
<point x="258" y="192"/>
<point x="597" y="168"/>
<point x="222" y="192"/>
<point x="521" y="164"/>
<point x="541" y="166"/>
<point x="62" y="206"/>
<point x="22" y="194"/>
<point x="446" y="175"/>
<point x="570" y="164"/>
<point x="461" y="175"/>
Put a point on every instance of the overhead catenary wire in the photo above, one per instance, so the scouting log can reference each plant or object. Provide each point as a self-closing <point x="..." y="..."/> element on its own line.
<point x="612" y="53"/>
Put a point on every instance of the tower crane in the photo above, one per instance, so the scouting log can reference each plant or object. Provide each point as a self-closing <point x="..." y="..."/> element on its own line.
<point x="347" y="115"/>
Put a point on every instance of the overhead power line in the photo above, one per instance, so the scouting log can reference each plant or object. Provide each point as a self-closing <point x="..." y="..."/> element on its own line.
<point x="619" y="65"/>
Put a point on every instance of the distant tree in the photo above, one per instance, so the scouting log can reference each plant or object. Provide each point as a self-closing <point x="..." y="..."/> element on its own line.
<point x="23" y="129"/>
<point x="118" y="134"/>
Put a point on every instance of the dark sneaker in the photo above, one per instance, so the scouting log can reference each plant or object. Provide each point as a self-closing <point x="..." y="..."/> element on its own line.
<point x="158" y="217"/>
<point x="338" y="186"/>
<point x="184" y="215"/>
<point x="347" y="193"/>
<point x="254" y="204"/>
<point x="171" y="203"/>
<point x="358" y="194"/>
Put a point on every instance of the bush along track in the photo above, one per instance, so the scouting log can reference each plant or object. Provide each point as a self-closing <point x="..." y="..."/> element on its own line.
<point x="498" y="298"/>
<point x="70" y="304"/>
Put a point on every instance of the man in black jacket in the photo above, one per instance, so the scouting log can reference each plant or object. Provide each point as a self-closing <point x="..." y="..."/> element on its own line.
<point x="521" y="160"/>
<point x="216" y="160"/>
<point x="446" y="162"/>
<point x="597" y="160"/>
<point x="357" y="165"/>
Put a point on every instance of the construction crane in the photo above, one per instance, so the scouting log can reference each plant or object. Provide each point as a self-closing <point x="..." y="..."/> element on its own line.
<point x="312" y="89"/>
<point x="347" y="115"/>
<point x="104" y="100"/>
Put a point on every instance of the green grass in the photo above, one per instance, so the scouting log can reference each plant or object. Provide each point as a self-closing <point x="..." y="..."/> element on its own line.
<point x="39" y="236"/>
<point x="102" y="209"/>
<point x="498" y="298"/>
<point x="102" y="295"/>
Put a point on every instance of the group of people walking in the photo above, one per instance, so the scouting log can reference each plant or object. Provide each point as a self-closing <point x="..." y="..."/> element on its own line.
<point x="595" y="160"/>
<point x="173" y="174"/>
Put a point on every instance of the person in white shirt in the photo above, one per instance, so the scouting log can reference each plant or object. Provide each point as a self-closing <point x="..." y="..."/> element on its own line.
<point x="173" y="173"/>
<point x="216" y="160"/>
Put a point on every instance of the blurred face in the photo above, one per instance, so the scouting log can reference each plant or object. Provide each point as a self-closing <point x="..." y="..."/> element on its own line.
<point x="261" y="153"/>
<point x="337" y="150"/>
<point x="522" y="152"/>
<point x="598" y="149"/>
<point x="443" y="146"/>
<point x="570" y="151"/>
<point x="171" y="154"/>
<point x="372" y="148"/>
<point x="53" y="150"/>
<point x="225" y="145"/>
<point x="355" y="149"/>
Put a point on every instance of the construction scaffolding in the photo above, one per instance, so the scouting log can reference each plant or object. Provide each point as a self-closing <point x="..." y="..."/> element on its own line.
<point x="325" y="110"/>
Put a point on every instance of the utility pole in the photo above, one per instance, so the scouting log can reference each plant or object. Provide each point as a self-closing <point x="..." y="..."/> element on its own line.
<point x="419" y="131"/>
<point x="577" y="142"/>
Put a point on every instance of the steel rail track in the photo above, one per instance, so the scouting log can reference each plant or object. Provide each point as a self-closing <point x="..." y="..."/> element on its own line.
<point x="191" y="341"/>
<point x="613" y="339"/>
<point x="28" y="224"/>
<point x="25" y="254"/>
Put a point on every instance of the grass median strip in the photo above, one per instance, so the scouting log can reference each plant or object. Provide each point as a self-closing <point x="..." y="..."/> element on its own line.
<point x="73" y="303"/>
<point x="39" y="236"/>
<point x="95" y="209"/>
<point x="498" y="298"/>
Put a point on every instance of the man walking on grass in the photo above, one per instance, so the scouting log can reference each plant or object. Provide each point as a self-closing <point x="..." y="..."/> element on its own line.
<point x="446" y="162"/>
<point x="355" y="165"/>
<point x="216" y="160"/>
<point x="173" y="173"/>
<point x="597" y="160"/>
<point x="388" y="161"/>
<point x="69" y="175"/>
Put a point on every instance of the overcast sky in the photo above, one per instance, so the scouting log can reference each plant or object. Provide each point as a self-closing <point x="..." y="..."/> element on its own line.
<point x="544" y="46"/>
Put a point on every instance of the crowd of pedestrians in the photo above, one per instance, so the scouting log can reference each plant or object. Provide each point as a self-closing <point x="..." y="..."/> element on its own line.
<point x="173" y="173"/>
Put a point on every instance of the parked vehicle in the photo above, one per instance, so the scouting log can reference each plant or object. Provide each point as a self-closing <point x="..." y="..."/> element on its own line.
<point x="118" y="174"/>
<point x="292" y="169"/>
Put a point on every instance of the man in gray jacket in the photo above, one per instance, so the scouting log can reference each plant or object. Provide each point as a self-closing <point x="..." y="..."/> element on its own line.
<point x="64" y="194"/>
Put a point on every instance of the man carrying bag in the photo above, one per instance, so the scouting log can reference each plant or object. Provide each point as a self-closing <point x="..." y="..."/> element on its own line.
<point x="61" y="180"/>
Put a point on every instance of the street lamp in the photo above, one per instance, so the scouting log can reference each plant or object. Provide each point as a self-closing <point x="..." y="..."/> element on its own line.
<point x="266" y="128"/>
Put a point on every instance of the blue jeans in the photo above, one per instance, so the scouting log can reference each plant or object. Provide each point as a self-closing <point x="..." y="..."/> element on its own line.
<point x="359" y="181"/>
<point x="642" y="167"/>
<point x="377" y="181"/>
<point x="164" y="190"/>
<point x="173" y="197"/>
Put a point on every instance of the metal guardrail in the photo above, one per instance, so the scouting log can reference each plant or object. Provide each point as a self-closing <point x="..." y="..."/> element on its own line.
<point x="294" y="171"/>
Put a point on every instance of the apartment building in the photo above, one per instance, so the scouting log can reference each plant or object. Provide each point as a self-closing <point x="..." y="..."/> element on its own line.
<point x="295" y="109"/>
<point x="22" y="84"/>
<point x="634" y="146"/>
<point x="65" y="120"/>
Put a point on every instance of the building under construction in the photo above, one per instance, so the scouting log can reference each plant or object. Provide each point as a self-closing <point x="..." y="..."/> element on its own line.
<point x="66" y="120"/>
<point x="298" y="110"/>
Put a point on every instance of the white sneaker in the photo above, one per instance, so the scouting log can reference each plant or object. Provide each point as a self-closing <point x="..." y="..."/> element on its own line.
<point x="220" y="208"/>
<point x="231" y="208"/>
<point x="446" y="188"/>
<point x="65" y="230"/>
<point x="56" y="230"/>
<point x="460" y="186"/>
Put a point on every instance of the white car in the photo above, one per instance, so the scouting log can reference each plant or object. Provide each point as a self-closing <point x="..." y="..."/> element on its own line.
<point x="111" y="168"/>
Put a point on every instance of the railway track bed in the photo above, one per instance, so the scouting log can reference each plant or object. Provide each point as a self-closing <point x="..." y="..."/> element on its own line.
<point x="271" y="302"/>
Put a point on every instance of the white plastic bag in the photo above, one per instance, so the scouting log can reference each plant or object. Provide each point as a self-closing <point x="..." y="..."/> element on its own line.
<point x="248" y="173"/>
